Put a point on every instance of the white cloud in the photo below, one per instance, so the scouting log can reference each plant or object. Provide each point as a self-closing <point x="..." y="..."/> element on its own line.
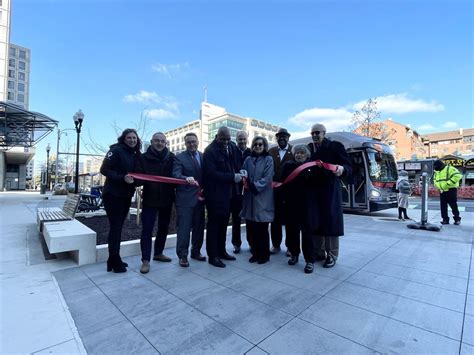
<point x="426" y="127"/>
<point x="144" y="96"/>
<point x="450" y="124"/>
<point x="159" y="114"/>
<point x="169" y="70"/>
<point x="334" y="119"/>
<point x="401" y="103"/>
<point x="164" y="106"/>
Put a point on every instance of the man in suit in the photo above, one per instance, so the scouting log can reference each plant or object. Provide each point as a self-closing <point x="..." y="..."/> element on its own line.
<point x="190" y="210"/>
<point x="221" y="179"/>
<point x="236" y="203"/>
<point x="280" y="155"/>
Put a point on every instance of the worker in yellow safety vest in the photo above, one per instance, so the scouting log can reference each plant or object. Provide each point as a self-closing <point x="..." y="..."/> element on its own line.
<point x="446" y="180"/>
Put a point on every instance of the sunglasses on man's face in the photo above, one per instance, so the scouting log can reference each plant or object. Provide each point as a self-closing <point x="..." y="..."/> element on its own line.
<point x="316" y="133"/>
<point x="258" y="145"/>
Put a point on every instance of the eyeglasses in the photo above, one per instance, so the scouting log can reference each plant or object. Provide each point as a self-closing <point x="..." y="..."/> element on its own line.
<point x="258" y="145"/>
<point x="316" y="133"/>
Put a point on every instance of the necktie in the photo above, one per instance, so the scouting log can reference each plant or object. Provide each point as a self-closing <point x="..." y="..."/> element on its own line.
<point x="195" y="158"/>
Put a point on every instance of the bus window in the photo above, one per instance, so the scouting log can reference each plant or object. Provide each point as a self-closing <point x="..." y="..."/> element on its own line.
<point x="382" y="167"/>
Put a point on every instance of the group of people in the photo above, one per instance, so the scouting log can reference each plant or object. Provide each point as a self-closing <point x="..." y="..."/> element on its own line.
<point x="229" y="180"/>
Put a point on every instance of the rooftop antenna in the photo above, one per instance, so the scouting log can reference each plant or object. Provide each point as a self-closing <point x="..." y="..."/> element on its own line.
<point x="205" y="93"/>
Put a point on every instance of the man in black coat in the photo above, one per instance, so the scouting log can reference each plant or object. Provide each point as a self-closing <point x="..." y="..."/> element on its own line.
<point x="326" y="210"/>
<point x="280" y="154"/>
<point x="236" y="203"/>
<point x="221" y="179"/>
<point x="157" y="199"/>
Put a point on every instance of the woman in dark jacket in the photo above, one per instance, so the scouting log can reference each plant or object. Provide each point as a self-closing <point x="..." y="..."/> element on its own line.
<point x="295" y="205"/>
<point x="119" y="188"/>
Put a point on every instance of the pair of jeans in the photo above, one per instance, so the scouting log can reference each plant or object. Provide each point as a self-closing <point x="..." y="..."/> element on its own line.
<point x="149" y="215"/>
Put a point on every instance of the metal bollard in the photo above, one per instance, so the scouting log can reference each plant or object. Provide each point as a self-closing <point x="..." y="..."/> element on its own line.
<point x="423" y="224"/>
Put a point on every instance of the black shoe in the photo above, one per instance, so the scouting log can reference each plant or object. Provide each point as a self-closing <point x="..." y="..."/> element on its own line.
<point x="288" y="254"/>
<point x="293" y="260"/>
<point x="227" y="256"/>
<point x="263" y="260"/>
<point x="330" y="261"/>
<point x="253" y="259"/>
<point x="216" y="262"/>
<point x="114" y="263"/>
<point x="236" y="249"/>
<point x="457" y="223"/>
<point x="183" y="261"/>
<point x="275" y="250"/>
<point x="444" y="222"/>
<point x="198" y="257"/>
<point x="123" y="262"/>
<point x="308" y="269"/>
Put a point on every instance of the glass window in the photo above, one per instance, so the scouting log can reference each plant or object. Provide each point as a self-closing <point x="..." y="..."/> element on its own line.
<point x="21" y="76"/>
<point x="11" y="63"/>
<point x="22" y="54"/>
<point x="11" y="73"/>
<point x="11" y="84"/>
<point x="11" y="96"/>
<point x="21" y="98"/>
<point x="21" y="87"/>
<point x="382" y="167"/>
<point x="22" y="65"/>
<point x="13" y="51"/>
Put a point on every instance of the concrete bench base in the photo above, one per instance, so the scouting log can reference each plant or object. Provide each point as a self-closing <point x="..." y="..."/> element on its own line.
<point x="71" y="236"/>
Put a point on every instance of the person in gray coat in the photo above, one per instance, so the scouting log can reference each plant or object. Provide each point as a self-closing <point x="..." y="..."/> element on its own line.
<point x="189" y="209"/>
<point x="404" y="191"/>
<point x="257" y="204"/>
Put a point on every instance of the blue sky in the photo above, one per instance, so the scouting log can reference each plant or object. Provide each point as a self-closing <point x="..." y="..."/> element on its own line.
<point x="292" y="63"/>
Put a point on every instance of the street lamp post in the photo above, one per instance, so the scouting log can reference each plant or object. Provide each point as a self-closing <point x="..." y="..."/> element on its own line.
<point x="48" y="149"/>
<point x="78" y="118"/>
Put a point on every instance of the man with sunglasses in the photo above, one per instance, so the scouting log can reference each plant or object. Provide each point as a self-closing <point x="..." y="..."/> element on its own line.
<point x="221" y="178"/>
<point x="326" y="218"/>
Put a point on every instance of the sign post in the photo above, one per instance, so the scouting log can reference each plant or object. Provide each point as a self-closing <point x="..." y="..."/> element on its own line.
<point x="423" y="224"/>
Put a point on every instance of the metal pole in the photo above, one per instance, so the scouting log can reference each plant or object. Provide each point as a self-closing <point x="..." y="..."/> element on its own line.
<point x="76" y="185"/>
<point x="56" y="178"/>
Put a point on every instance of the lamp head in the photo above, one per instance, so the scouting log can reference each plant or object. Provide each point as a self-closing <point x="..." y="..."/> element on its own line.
<point x="48" y="148"/>
<point x="78" y="117"/>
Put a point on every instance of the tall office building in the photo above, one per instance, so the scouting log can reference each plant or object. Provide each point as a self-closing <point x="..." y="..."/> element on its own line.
<point x="211" y="118"/>
<point x="4" y="45"/>
<point x="18" y="87"/>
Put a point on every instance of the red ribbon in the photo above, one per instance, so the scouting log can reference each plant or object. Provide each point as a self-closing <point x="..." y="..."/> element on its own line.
<point x="291" y="177"/>
<point x="298" y="170"/>
<point x="167" y="180"/>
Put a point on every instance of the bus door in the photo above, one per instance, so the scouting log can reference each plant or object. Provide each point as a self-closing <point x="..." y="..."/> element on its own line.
<point x="354" y="193"/>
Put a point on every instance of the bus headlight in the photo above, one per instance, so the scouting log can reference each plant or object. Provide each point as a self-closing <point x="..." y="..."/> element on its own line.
<point x="374" y="193"/>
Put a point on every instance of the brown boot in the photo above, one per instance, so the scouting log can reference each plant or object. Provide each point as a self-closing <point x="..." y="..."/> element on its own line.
<point x="145" y="267"/>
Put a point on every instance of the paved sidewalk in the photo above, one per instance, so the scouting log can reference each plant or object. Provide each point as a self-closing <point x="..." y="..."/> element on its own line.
<point x="392" y="290"/>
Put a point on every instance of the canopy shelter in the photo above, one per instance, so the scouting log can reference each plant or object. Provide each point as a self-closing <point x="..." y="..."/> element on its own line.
<point x="19" y="127"/>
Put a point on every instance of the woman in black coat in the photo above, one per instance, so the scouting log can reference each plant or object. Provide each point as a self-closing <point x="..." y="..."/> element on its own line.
<point x="118" y="191"/>
<point x="295" y="207"/>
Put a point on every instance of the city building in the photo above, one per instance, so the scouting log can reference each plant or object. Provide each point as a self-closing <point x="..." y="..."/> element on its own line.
<point x="20" y="129"/>
<point x="405" y="142"/>
<point x="458" y="143"/>
<point x="18" y="87"/>
<point x="211" y="118"/>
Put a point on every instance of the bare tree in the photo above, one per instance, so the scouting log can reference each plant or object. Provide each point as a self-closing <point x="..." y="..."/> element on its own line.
<point x="141" y="127"/>
<point x="365" y="122"/>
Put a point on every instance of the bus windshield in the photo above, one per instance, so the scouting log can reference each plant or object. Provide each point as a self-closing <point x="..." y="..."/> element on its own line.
<point x="382" y="167"/>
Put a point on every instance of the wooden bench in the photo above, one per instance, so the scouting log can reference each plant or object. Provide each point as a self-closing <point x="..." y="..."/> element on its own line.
<point x="54" y="214"/>
<point x="71" y="236"/>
